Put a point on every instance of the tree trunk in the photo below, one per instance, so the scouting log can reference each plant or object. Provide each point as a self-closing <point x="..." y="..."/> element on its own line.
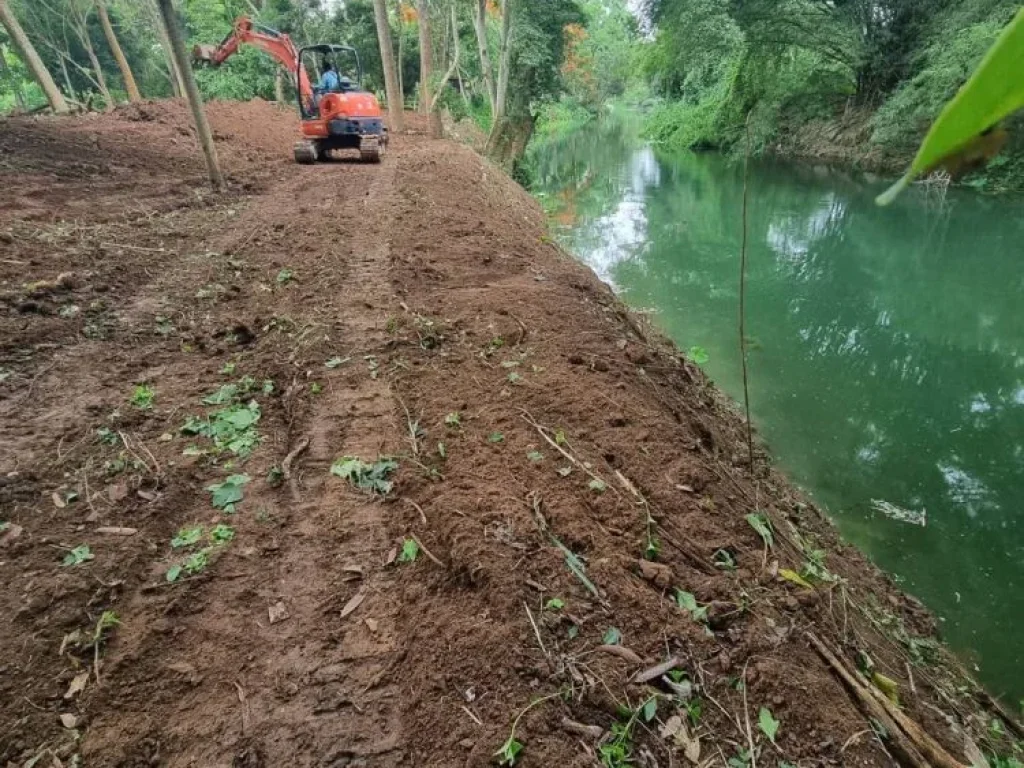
<point x="508" y="140"/>
<point x="68" y="85"/>
<point x="173" y="73"/>
<point x="504" y="62"/>
<point x="480" y="25"/>
<point x="426" y="54"/>
<point x="28" y="54"/>
<point x="19" y="93"/>
<point x="80" y="25"/>
<point x="191" y="92"/>
<point x="115" y="48"/>
<point x="401" y="47"/>
<point x="387" y="55"/>
<point x="279" y="86"/>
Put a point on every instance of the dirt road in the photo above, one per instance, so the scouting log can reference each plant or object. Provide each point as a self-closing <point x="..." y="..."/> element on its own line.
<point x="182" y="377"/>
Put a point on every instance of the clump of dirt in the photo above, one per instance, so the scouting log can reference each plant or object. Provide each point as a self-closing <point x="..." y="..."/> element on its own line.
<point x="352" y="466"/>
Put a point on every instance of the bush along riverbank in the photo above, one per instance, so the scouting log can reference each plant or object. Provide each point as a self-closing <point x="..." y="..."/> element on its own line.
<point x="854" y="84"/>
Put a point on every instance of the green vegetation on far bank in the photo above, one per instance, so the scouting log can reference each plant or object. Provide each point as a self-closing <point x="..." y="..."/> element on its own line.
<point x="857" y="81"/>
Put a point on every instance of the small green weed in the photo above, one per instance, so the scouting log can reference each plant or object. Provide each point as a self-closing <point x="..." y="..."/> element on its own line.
<point x="336" y="362"/>
<point x="611" y="636"/>
<point x="514" y="378"/>
<point x="699" y="355"/>
<point x="285" y="276"/>
<point x="275" y="476"/>
<point x="724" y="559"/>
<point x="453" y="419"/>
<point x="78" y="555"/>
<point x="564" y="471"/>
<point x="617" y="751"/>
<point x="535" y="456"/>
<point x="316" y="388"/>
<point x="597" y="486"/>
<point x="198" y="560"/>
<point x="228" y="369"/>
<point x="688" y="603"/>
<point x="368" y="477"/>
<point x="231" y="429"/>
<point x="227" y="494"/>
<point x="107" y="436"/>
<point x="143" y="396"/>
<point x="186" y="537"/>
<point x="221" y="533"/>
<point x="442" y="451"/>
<point x="760" y="523"/>
<point x="768" y="724"/>
<point x="508" y="752"/>
<point x="164" y="327"/>
<point x="410" y="551"/>
<point x="554" y="604"/>
<point x="495" y="437"/>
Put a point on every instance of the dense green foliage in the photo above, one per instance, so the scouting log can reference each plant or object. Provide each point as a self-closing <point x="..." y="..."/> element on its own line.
<point x="718" y="63"/>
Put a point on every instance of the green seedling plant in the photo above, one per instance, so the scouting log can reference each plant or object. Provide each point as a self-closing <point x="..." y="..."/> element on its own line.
<point x="617" y="752"/>
<point x="78" y="555"/>
<point x="336" y="362"/>
<point x="143" y="396"/>
<point x="768" y="724"/>
<point x="275" y="476"/>
<point x="611" y="636"/>
<point x="228" y="369"/>
<point x="699" y="355"/>
<point x="410" y="551"/>
<point x="107" y="436"/>
<point x="367" y="477"/>
<point x="231" y="430"/>
<point x="186" y="537"/>
<point x="688" y="603"/>
<point x="535" y="456"/>
<point x="495" y="437"/>
<point x="285" y="276"/>
<point x="554" y="604"/>
<point x="226" y="495"/>
<point x="197" y="561"/>
<point x="453" y="420"/>
<point x="597" y="486"/>
<point x="724" y="559"/>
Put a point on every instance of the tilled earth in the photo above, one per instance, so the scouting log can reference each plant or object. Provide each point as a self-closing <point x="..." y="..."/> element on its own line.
<point x="165" y="350"/>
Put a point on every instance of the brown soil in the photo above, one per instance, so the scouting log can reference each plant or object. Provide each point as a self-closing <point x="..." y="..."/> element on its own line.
<point x="431" y="279"/>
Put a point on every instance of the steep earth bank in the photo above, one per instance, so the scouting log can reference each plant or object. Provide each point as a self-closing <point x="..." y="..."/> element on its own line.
<point x="159" y="344"/>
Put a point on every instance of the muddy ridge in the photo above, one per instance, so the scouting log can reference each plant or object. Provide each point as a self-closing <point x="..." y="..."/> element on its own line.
<point x="551" y="525"/>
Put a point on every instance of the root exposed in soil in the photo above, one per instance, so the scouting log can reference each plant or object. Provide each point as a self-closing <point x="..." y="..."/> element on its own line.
<point x="571" y="533"/>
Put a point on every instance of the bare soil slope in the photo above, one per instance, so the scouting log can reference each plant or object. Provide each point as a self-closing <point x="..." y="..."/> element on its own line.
<point x="545" y="441"/>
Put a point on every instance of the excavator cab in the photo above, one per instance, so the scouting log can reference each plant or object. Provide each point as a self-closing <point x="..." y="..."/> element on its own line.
<point x="338" y="114"/>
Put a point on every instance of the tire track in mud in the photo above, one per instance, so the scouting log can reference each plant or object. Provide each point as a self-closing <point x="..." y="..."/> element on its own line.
<point x="311" y="688"/>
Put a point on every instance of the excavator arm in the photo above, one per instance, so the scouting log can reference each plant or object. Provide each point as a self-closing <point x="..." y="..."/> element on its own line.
<point x="277" y="44"/>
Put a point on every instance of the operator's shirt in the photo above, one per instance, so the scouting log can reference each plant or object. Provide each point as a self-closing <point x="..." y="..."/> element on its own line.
<point x="329" y="81"/>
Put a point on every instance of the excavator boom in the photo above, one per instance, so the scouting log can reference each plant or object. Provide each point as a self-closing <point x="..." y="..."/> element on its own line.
<point x="275" y="43"/>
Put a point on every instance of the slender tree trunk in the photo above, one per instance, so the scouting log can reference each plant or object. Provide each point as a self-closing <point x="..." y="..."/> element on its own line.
<point x="453" y="66"/>
<point x="480" y="25"/>
<point x="504" y="62"/>
<point x="191" y="92"/>
<point x="426" y="54"/>
<point x="68" y="85"/>
<point x="115" y="48"/>
<point x="387" y="55"/>
<point x="19" y="93"/>
<point x="401" y="50"/>
<point x="173" y="73"/>
<point x="80" y="25"/>
<point x="28" y="54"/>
<point x="458" y="55"/>
<point x="279" y="86"/>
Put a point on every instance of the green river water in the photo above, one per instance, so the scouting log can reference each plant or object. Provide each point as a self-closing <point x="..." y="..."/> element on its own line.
<point x="886" y="349"/>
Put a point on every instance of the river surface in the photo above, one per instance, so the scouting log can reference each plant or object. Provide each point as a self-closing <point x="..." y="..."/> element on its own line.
<point x="886" y="349"/>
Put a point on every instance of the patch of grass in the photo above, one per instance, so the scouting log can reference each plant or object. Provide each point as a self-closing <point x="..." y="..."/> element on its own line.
<point x="80" y="554"/>
<point x="369" y="477"/>
<point x="143" y="396"/>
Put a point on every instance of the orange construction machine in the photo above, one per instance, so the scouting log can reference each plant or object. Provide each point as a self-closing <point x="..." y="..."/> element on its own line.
<point x="336" y="113"/>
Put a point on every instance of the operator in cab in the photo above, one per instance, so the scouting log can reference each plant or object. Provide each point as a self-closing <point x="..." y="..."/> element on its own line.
<point x="329" y="80"/>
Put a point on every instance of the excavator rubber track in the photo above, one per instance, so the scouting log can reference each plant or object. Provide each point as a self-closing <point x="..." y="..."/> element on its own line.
<point x="371" y="148"/>
<point x="306" y="152"/>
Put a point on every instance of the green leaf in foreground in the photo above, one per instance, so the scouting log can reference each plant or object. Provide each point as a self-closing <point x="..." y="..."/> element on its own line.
<point x="369" y="477"/>
<point x="699" y="355"/>
<point x="495" y="437"/>
<point x="410" y="551"/>
<point x="187" y="537"/>
<point x="612" y="636"/>
<point x="78" y="555"/>
<point x="768" y="724"/>
<point x="761" y="524"/>
<point x="227" y="494"/>
<point x="650" y="709"/>
<point x="993" y="92"/>
<point x="688" y="603"/>
<point x="508" y="752"/>
<point x="554" y="604"/>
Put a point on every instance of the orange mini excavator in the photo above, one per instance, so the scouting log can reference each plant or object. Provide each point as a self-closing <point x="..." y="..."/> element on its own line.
<point x="344" y="117"/>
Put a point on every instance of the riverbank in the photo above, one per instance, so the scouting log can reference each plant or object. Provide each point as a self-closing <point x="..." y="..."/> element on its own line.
<point x="183" y="373"/>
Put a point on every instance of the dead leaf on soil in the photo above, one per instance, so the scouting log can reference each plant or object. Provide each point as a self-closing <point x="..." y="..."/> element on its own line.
<point x="78" y="683"/>
<point x="391" y="556"/>
<point x="277" y="612"/>
<point x="117" y="491"/>
<point x="675" y="730"/>
<point x="58" y="502"/>
<point x="594" y="732"/>
<point x="147" y="495"/>
<point x="352" y="604"/>
<point x="13" y="532"/>
<point x="69" y="720"/>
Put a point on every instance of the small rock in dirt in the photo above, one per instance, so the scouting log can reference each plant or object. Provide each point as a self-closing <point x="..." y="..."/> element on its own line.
<point x="77" y="685"/>
<point x="117" y="492"/>
<point x="659" y="574"/>
<point x="371" y="624"/>
<point x="599" y="365"/>
<point x="8" y="536"/>
<point x="69" y="720"/>
<point x="277" y="612"/>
